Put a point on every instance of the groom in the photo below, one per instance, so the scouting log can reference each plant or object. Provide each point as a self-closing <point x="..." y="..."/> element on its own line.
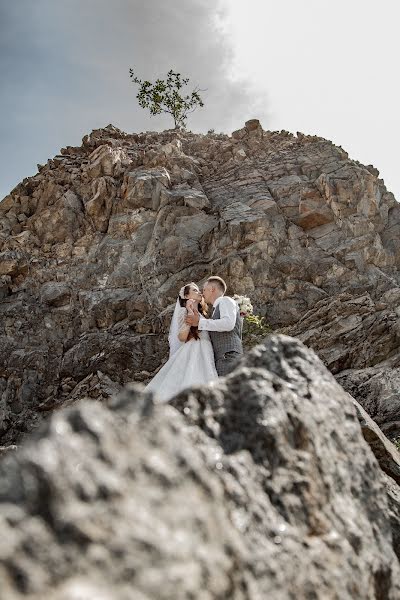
<point x="224" y="327"/>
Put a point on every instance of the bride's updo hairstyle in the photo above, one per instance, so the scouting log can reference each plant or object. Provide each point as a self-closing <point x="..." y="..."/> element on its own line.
<point x="194" y="330"/>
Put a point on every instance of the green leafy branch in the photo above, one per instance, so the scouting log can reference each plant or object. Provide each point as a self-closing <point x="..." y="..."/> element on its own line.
<point x="164" y="96"/>
<point x="255" y="329"/>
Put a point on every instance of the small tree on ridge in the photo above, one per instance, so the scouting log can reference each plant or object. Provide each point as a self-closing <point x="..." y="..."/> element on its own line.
<point x="164" y="96"/>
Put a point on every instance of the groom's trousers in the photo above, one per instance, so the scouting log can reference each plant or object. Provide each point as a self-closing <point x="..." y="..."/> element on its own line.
<point x="227" y="362"/>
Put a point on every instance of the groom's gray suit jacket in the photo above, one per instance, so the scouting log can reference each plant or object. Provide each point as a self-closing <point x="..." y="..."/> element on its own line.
<point x="227" y="345"/>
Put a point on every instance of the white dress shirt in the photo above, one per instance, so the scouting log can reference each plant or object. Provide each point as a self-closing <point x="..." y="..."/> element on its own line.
<point x="228" y="311"/>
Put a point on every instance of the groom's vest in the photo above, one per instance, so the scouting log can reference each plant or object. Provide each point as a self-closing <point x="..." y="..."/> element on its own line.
<point x="226" y="341"/>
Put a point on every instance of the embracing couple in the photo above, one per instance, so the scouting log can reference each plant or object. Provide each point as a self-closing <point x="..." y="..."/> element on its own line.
<point x="201" y="348"/>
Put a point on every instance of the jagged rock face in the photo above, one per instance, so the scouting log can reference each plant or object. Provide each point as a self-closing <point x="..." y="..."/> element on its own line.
<point x="377" y="390"/>
<point x="259" y="486"/>
<point x="94" y="247"/>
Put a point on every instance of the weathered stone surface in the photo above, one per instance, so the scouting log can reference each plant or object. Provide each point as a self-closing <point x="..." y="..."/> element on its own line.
<point x="92" y="522"/>
<point x="54" y="293"/>
<point x="377" y="389"/>
<point x="385" y="452"/>
<point x="142" y="188"/>
<point x="259" y="486"/>
<point x="105" y="160"/>
<point x="99" y="207"/>
<point x="393" y="495"/>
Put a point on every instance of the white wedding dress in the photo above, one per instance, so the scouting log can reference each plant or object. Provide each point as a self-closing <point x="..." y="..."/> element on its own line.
<point x="190" y="363"/>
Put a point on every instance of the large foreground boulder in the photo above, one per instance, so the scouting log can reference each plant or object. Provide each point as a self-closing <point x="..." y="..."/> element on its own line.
<point x="260" y="485"/>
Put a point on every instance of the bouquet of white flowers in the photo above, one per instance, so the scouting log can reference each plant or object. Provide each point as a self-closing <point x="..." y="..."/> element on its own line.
<point x="245" y="306"/>
<point x="255" y="328"/>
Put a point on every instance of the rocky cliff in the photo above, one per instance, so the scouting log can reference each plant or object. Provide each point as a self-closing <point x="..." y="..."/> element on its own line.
<point x="94" y="247"/>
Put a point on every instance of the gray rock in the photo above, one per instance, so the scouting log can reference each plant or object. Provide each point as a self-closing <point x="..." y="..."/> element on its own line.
<point x="142" y="188"/>
<point x="55" y="293"/>
<point x="109" y="501"/>
<point x="385" y="452"/>
<point x="377" y="389"/>
<point x="218" y="496"/>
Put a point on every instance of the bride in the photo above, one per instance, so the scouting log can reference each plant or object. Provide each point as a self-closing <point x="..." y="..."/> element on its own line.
<point x="191" y="358"/>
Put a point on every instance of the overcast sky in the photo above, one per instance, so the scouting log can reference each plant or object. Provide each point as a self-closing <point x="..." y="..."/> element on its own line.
<point x="322" y="67"/>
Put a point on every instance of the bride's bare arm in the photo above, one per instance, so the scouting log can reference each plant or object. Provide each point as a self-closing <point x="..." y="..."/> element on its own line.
<point x="183" y="328"/>
<point x="183" y="333"/>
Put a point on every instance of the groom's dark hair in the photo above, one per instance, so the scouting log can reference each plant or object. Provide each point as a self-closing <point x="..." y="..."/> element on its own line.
<point x="218" y="281"/>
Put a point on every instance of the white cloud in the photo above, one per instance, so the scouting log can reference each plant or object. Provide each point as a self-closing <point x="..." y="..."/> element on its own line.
<point x="329" y="69"/>
<point x="69" y="72"/>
